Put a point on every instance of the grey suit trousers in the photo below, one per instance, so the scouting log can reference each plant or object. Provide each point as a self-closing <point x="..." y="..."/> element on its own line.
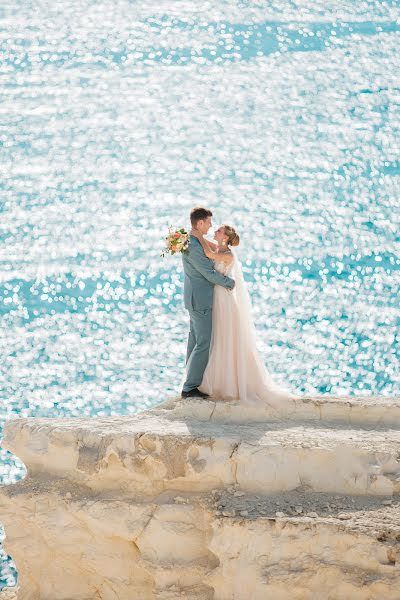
<point x="198" y="347"/>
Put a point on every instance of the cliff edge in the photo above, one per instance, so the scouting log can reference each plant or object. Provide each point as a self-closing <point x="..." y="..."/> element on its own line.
<point x="201" y="500"/>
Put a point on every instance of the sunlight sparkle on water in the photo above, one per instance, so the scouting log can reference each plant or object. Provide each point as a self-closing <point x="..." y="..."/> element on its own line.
<point x="283" y="119"/>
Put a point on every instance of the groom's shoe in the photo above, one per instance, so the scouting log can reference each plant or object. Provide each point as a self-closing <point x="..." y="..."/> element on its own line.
<point x="195" y="393"/>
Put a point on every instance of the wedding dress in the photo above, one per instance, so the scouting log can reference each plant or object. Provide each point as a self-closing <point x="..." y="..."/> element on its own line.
<point x="235" y="371"/>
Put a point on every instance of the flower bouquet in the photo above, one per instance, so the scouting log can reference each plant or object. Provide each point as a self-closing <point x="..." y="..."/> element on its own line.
<point x="176" y="241"/>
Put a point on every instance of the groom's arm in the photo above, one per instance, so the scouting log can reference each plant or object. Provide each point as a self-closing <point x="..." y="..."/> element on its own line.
<point x="204" y="266"/>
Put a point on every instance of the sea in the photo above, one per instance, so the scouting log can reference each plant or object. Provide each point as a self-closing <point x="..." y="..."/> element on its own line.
<point x="118" y="117"/>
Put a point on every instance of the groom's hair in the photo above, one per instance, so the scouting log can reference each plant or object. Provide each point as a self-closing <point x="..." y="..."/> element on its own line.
<point x="199" y="213"/>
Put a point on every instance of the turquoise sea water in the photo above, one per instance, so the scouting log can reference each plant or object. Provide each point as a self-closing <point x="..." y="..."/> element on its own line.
<point x="117" y="117"/>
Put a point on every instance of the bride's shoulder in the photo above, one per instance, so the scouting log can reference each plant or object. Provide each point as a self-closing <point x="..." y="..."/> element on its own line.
<point x="225" y="257"/>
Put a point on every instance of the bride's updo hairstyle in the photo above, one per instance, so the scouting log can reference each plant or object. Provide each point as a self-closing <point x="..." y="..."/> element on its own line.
<point x="233" y="238"/>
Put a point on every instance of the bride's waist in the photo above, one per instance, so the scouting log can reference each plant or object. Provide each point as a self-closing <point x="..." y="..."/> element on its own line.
<point x="219" y="290"/>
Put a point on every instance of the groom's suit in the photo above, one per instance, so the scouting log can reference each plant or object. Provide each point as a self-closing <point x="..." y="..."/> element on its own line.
<point x="200" y="278"/>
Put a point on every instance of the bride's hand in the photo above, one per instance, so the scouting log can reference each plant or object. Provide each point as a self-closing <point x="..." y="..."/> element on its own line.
<point x="196" y="234"/>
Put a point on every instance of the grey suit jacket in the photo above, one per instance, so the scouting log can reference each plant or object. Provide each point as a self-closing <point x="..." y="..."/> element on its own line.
<point x="200" y="278"/>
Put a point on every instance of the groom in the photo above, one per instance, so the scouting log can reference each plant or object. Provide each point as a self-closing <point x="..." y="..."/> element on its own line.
<point x="200" y="278"/>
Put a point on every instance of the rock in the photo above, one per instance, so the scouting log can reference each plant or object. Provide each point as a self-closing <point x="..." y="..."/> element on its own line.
<point x="9" y="594"/>
<point x="140" y="523"/>
<point x="344" y="516"/>
<point x="298" y="509"/>
<point x="239" y="494"/>
<point x="229" y="513"/>
<point x="387" y="502"/>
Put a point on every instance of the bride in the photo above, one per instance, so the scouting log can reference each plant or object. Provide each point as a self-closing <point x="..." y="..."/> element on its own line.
<point x="234" y="370"/>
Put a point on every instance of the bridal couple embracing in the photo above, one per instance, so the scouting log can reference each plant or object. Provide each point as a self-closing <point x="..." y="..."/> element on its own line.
<point x="222" y="361"/>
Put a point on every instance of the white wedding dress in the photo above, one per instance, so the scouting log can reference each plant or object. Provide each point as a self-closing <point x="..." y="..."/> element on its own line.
<point x="235" y="371"/>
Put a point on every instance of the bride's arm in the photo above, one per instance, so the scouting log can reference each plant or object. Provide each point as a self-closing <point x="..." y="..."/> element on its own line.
<point x="209" y="251"/>
<point x="212" y="245"/>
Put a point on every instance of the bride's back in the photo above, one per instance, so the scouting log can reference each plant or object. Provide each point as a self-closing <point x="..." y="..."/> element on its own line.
<point x="223" y="267"/>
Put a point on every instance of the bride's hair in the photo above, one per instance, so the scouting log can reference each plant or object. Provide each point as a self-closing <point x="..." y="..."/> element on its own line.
<point x="233" y="238"/>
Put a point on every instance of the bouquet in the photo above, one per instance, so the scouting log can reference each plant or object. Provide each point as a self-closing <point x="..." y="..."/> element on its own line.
<point x="176" y="241"/>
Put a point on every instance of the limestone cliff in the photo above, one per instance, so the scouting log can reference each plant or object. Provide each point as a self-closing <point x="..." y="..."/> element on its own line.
<point x="203" y="500"/>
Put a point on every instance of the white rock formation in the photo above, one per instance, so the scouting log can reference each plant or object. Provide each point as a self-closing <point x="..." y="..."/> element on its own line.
<point x="202" y="500"/>
<point x="9" y="594"/>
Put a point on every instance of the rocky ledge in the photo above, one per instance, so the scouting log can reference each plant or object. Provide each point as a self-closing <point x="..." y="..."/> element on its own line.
<point x="201" y="500"/>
